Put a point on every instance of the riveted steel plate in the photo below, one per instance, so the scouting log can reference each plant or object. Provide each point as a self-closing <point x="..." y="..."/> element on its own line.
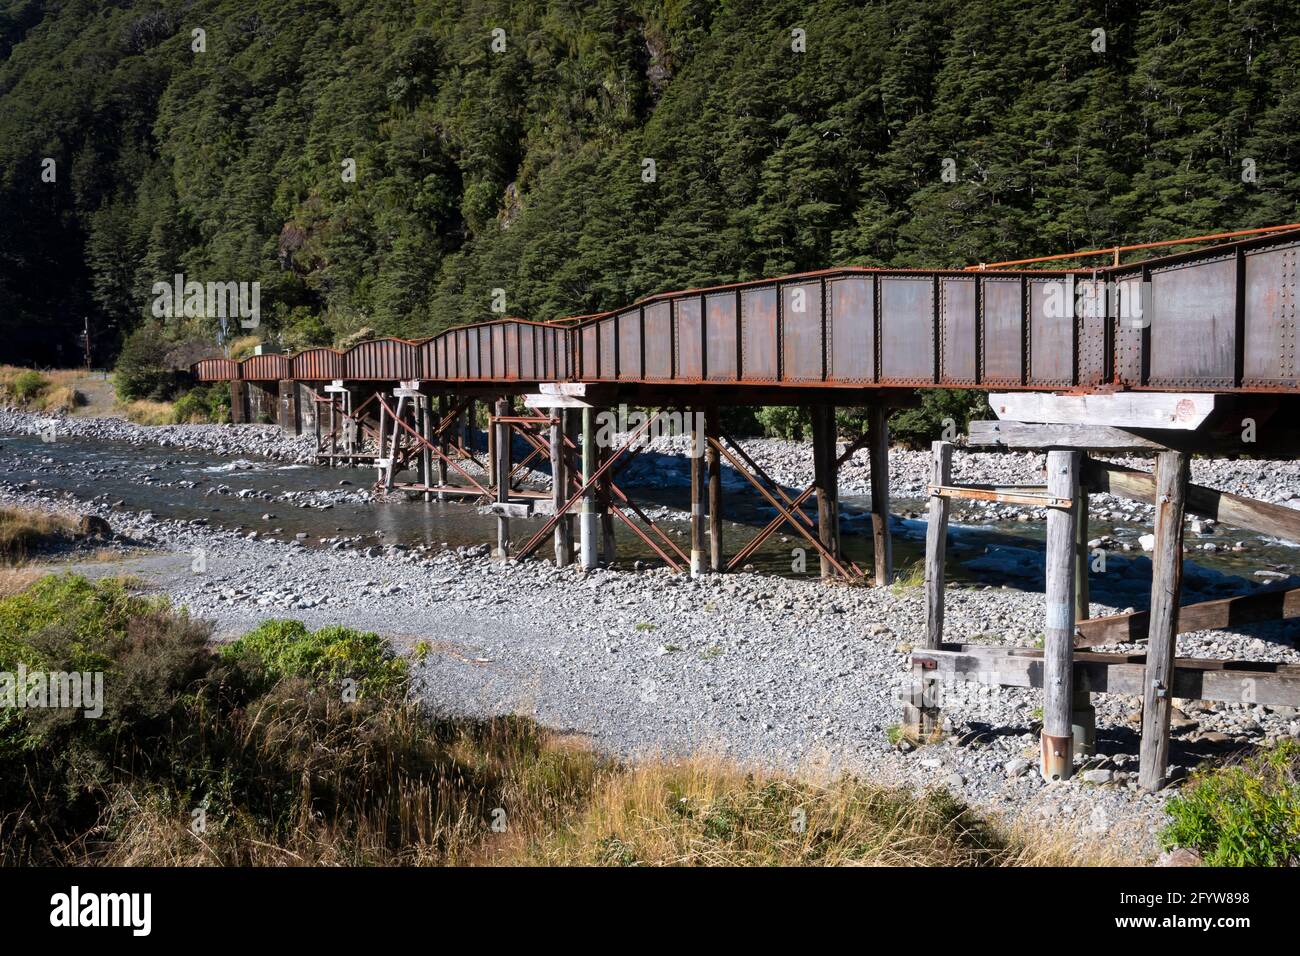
<point x="658" y="341"/>
<point x="801" y="332"/>
<point x="852" y="321"/>
<point x="629" y="345"/>
<point x="720" y="333"/>
<point x="689" y="338"/>
<point x="1003" y="328"/>
<point x="1051" y="331"/>
<point x="958" y="322"/>
<point x="906" y="330"/>
<point x="1193" y="324"/>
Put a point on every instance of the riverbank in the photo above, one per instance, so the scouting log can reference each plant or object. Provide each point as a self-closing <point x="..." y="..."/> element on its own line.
<point x="789" y="674"/>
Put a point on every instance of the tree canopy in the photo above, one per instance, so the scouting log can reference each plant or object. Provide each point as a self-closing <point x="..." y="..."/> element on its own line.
<point x="504" y="145"/>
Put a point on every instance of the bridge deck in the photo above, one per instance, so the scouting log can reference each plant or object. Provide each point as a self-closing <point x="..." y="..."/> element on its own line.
<point x="1221" y="319"/>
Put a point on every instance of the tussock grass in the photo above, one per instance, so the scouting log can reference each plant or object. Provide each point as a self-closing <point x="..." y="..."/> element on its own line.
<point x="145" y="412"/>
<point x="54" y="392"/>
<point x="706" y="812"/>
<point x="24" y="531"/>
<point x="913" y="576"/>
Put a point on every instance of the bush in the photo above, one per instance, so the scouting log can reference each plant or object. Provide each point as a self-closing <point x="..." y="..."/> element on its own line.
<point x="1243" y="815"/>
<point x="940" y="409"/>
<point x="28" y="385"/>
<point x="785" y="421"/>
<point x="142" y="372"/>
<point x="204" y="404"/>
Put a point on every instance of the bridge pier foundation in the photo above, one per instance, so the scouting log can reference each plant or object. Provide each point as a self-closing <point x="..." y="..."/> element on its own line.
<point x="826" y="478"/>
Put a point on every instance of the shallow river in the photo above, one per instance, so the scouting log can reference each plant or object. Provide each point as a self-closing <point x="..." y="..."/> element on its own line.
<point x="190" y="485"/>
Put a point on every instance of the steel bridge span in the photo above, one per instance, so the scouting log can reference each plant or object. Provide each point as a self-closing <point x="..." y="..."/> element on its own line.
<point x="1186" y="353"/>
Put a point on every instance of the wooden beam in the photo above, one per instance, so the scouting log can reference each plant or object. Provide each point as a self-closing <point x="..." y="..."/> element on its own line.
<point x="547" y="402"/>
<point x="1057" y="740"/>
<point x="878" y="443"/>
<point x="824" y="472"/>
<point x="699" y="490"/>
<point x="1166" y="588"/>
<point x="1234" y="510"/>
<point x="503" y="469"/>
<point x="712" y="429"/>
<point x="1023" y="435"/>
<point x="1184" y="411"/>
<point x="1262" y="682"/>
<point x="1277" y="605"/>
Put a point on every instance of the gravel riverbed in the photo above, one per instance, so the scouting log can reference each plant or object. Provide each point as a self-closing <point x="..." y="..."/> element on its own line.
<point x="782" y="672"/>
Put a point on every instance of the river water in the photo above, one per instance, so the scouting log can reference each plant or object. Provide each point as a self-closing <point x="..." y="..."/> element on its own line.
<point x="310" y="500"/>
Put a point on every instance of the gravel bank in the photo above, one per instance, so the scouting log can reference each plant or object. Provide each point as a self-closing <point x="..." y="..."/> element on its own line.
<point x="264" y="441"/>
<point x="785" y="673"/>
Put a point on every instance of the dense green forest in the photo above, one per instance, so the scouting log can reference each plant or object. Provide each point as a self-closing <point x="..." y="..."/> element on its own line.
<point x="515" y="160"/>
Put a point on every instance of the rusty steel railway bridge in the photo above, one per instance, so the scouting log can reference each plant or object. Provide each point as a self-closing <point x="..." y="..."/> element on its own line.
<point x="1171" y="356"/>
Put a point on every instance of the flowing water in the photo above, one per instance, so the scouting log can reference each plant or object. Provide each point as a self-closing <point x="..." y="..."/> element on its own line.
<point x="321" y="503"/>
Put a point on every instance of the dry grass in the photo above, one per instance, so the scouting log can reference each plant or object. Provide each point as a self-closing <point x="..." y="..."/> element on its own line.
<point x="145" y="412"/>
<point x="23" y="531"/>
<point x="244" y="346"/>
<point x="18" y="579"/>
<point x="706" y="812"/>
<point x="55" y="392"/>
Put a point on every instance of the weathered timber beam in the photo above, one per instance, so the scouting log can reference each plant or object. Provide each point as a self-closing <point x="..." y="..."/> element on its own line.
<point x="1027" y="436"/>
<point x="1278" y="520"/>
<point x="1205" y="616"/>
<point x="1007" y="495"/>
<point x="1177" y="410"/>
<point x="1273" y="685"/>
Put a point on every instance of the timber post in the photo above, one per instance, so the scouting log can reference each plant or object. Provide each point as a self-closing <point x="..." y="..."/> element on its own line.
<point x="699" y="487"/>
<point x="503" y="468"/>
<point x="559" y="488"/>
<point x="1057" y="741"/>
<point x="444" y="446"/>
<point x="1166" y="591"/>
<point x="712" y="430"/>
<point x="878" y="440"/>
<point x="936" y="542"/>
<point x="921" y="713"/>
<point x="588" y="522"/>
<point x="824" y="471"/>
<point x="1083" y="716"/>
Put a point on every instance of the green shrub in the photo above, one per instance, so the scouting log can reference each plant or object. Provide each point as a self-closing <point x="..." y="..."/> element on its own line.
<point x="142" y="371"/>
<point x="289" y="649"/>
<point x="785" y="421"/>
<point x="1243" y="815"/>
<point x="28" y="385"/>
<point x="939" y="408"/>
<point x="204" y="404"/>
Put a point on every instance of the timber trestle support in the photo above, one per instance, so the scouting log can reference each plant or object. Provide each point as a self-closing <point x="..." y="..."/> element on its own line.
<point x="1066" y="669"/>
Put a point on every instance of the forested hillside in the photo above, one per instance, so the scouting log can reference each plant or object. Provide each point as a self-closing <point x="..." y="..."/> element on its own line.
<point x="524" y="168"/>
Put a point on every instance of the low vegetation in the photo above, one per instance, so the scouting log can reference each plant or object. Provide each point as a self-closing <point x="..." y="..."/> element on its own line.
<point x="24" y="532"/>
<point x="1247" y="814"/>
<point x="258" y="754"/>
<point x="51" y="392"/>
<point x="145" y="411"/>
